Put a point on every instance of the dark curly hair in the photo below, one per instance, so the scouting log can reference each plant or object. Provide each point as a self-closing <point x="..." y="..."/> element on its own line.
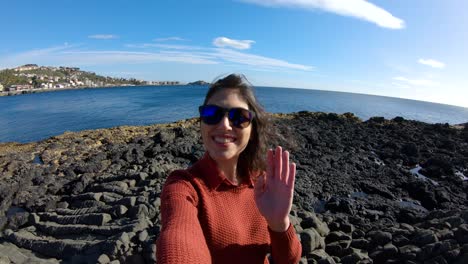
<point x="252" y="159"/>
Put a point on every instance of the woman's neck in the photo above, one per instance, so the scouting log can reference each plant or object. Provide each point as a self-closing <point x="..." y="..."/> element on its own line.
<point x="229" y="169"/>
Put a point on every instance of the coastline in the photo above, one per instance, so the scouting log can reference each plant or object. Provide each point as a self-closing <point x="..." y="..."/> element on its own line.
<point x="14" y="93"/>
<point x="355" y="195"/>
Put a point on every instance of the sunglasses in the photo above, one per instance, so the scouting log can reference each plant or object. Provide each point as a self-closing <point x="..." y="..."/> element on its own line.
<point x="238" y="117"/>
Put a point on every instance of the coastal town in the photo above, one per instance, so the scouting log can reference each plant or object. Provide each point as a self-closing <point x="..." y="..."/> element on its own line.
<point x="32" y="78"/>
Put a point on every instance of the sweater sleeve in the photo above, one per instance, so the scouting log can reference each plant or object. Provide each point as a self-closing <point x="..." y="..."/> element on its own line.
<point x="285" y="246"/>
<point x="181" y="239"/>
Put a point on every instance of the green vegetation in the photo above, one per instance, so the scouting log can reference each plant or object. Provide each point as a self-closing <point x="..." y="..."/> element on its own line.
<point x="7" y="78"/>
<point x="47" y="72"/>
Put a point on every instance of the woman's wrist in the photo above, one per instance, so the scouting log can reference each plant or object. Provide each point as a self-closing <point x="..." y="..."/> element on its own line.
<point x="280" y="226"/>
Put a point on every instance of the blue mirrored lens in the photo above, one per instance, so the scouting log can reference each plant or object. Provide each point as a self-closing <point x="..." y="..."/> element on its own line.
<point x="212" y="115"/>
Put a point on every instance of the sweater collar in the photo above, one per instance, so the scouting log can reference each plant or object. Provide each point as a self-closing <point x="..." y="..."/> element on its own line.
<point x="210" y="173"/>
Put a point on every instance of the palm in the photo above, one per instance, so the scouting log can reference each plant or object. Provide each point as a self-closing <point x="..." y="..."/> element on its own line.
<point x="274" y="190"/>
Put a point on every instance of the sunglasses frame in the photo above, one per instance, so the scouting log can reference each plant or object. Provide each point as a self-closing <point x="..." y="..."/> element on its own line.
<point x="228" y="111"/>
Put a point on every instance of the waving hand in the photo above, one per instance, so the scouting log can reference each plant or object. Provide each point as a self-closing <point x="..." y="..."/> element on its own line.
<point x="274" y="190"/>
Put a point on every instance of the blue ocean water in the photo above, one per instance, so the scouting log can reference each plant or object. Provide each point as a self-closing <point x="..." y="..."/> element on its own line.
<point x="34" y="117"/>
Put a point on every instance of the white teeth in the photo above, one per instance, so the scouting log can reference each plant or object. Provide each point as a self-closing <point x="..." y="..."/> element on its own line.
<point x="223" y="139"/>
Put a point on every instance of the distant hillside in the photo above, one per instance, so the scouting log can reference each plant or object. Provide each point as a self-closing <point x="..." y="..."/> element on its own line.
<point x="8" y="77"/>
<point x="198" y="83"/>
<point x="32" y="76"/>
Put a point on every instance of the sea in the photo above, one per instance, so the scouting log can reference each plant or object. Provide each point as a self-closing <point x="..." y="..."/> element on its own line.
<point x="38" y="116"/>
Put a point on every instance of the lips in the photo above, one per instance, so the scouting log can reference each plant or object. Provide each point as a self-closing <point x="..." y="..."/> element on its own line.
<point x="224" y="139"/>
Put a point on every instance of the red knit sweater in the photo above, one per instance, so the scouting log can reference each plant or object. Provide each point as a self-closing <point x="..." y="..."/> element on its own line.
<point x="207" y="219"/>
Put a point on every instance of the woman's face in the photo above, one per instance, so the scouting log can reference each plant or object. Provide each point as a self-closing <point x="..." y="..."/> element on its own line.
<point x="223" y="141"/>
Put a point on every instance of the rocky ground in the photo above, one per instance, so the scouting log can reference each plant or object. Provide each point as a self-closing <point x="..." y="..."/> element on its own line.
<point x="379" y="191"/>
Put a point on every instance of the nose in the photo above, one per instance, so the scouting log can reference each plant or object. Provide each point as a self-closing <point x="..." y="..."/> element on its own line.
<point x="224" y="123"/>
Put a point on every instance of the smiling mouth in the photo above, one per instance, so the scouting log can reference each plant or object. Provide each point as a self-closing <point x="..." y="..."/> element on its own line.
<point x="224" y="139"/>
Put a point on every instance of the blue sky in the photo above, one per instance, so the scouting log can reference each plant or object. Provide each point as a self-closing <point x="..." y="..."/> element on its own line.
<point x="411" y="49"/>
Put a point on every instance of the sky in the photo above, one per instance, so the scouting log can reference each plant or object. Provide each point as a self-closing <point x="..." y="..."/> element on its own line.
<point x="410" y="49"/>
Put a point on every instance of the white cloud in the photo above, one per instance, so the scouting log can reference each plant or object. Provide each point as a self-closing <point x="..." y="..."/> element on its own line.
<point x="71" y="56"/>
<point x="256" y="60"/>
<point x="103" y="36"/>
<point x="417" y="82"/>
<point x="223" y="42"/>
<point x="354" y="8"/>
<point x="163" y="46"/>
<point x="432" y="63"/>
<point x="169" y="39"/>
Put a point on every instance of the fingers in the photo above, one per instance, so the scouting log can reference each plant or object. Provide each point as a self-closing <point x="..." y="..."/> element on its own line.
<point x="285" y="169"/>
<point x="278" y="163"/>
<point x="292" y="175"/>
<point x="270" y="163"/>
<point x="279" y="166"/>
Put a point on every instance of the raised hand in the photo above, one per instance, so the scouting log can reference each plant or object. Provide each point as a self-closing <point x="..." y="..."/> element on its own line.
<point x="274" y="190"/>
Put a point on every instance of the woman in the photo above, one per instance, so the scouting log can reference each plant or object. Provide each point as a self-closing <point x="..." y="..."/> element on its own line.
<point x="230" y="207"/>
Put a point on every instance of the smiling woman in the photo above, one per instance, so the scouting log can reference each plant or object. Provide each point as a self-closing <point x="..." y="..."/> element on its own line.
<point x="231" y="206"/>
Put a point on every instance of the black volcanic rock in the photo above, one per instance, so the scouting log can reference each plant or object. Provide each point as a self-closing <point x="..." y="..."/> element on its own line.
<point x="94" y="195"/>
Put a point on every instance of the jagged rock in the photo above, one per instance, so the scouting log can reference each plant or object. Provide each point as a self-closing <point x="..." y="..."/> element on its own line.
<point x="380" y="237"/>
<point x="313" y="221"/>
<point x="103" y="259"/>
<point x="409" y="252"/>
<point x="310" y="240"/>
<point x="143" y="235"/>
<point x="337" y="236"/>
<point x="50" y="248"/>
<point x="462" y="259"/>
<point x="360" y="243"/>
<point x="461" y="234"/>
<point x="18" y="219"/>
<point x="423" y="237"/>
<point x="347" y="228"/>
<point x="464" y="249"/>
<point x="357" y="256"/>
<point x="319" y="256"/>
<point x="89" y="219"/>
<point x="444" y="234"/>
<point x="400" y="240"/>
<point x="355" y="175"/>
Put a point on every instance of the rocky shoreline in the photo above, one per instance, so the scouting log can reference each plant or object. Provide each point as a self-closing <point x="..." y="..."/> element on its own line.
<point x="379" y="191"/>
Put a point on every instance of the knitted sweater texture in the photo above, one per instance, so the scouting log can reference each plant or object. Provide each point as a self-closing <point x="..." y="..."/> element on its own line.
<point x="207" y="219"/>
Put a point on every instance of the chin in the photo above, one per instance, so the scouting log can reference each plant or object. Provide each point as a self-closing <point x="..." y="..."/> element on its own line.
<point x="222" y="156"/>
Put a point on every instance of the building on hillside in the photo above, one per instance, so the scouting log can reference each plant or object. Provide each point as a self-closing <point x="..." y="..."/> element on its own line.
<point x="26" y="67"/>
<point x="69" y="69"/>
<point x="20" y="87"/>
<point x="1" y="87"/>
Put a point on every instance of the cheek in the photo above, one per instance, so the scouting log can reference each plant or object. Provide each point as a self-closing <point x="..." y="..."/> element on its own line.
<point x="203" y="132"/>
<point x="247" y="135"/>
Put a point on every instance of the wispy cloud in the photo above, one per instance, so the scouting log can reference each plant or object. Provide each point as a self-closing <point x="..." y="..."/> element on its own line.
<point x="132" y="57"/>
<point x="256" y="60"/>
<point x="223" y="42"/>
<point x="416" y="82"/>
<point x="155" y="53"/>
<point x="103" y="36"/>
<point x="163" y="46"/>
<point x="169" y="39"/>
<point x="432" y="63"/>
<point x="354" y="8"/>
<point x="31" y="56"/>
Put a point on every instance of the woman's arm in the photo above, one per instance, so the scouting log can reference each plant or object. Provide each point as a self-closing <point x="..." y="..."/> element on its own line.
<point x="181" y="239"/>
<point x="274" y="195"/>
